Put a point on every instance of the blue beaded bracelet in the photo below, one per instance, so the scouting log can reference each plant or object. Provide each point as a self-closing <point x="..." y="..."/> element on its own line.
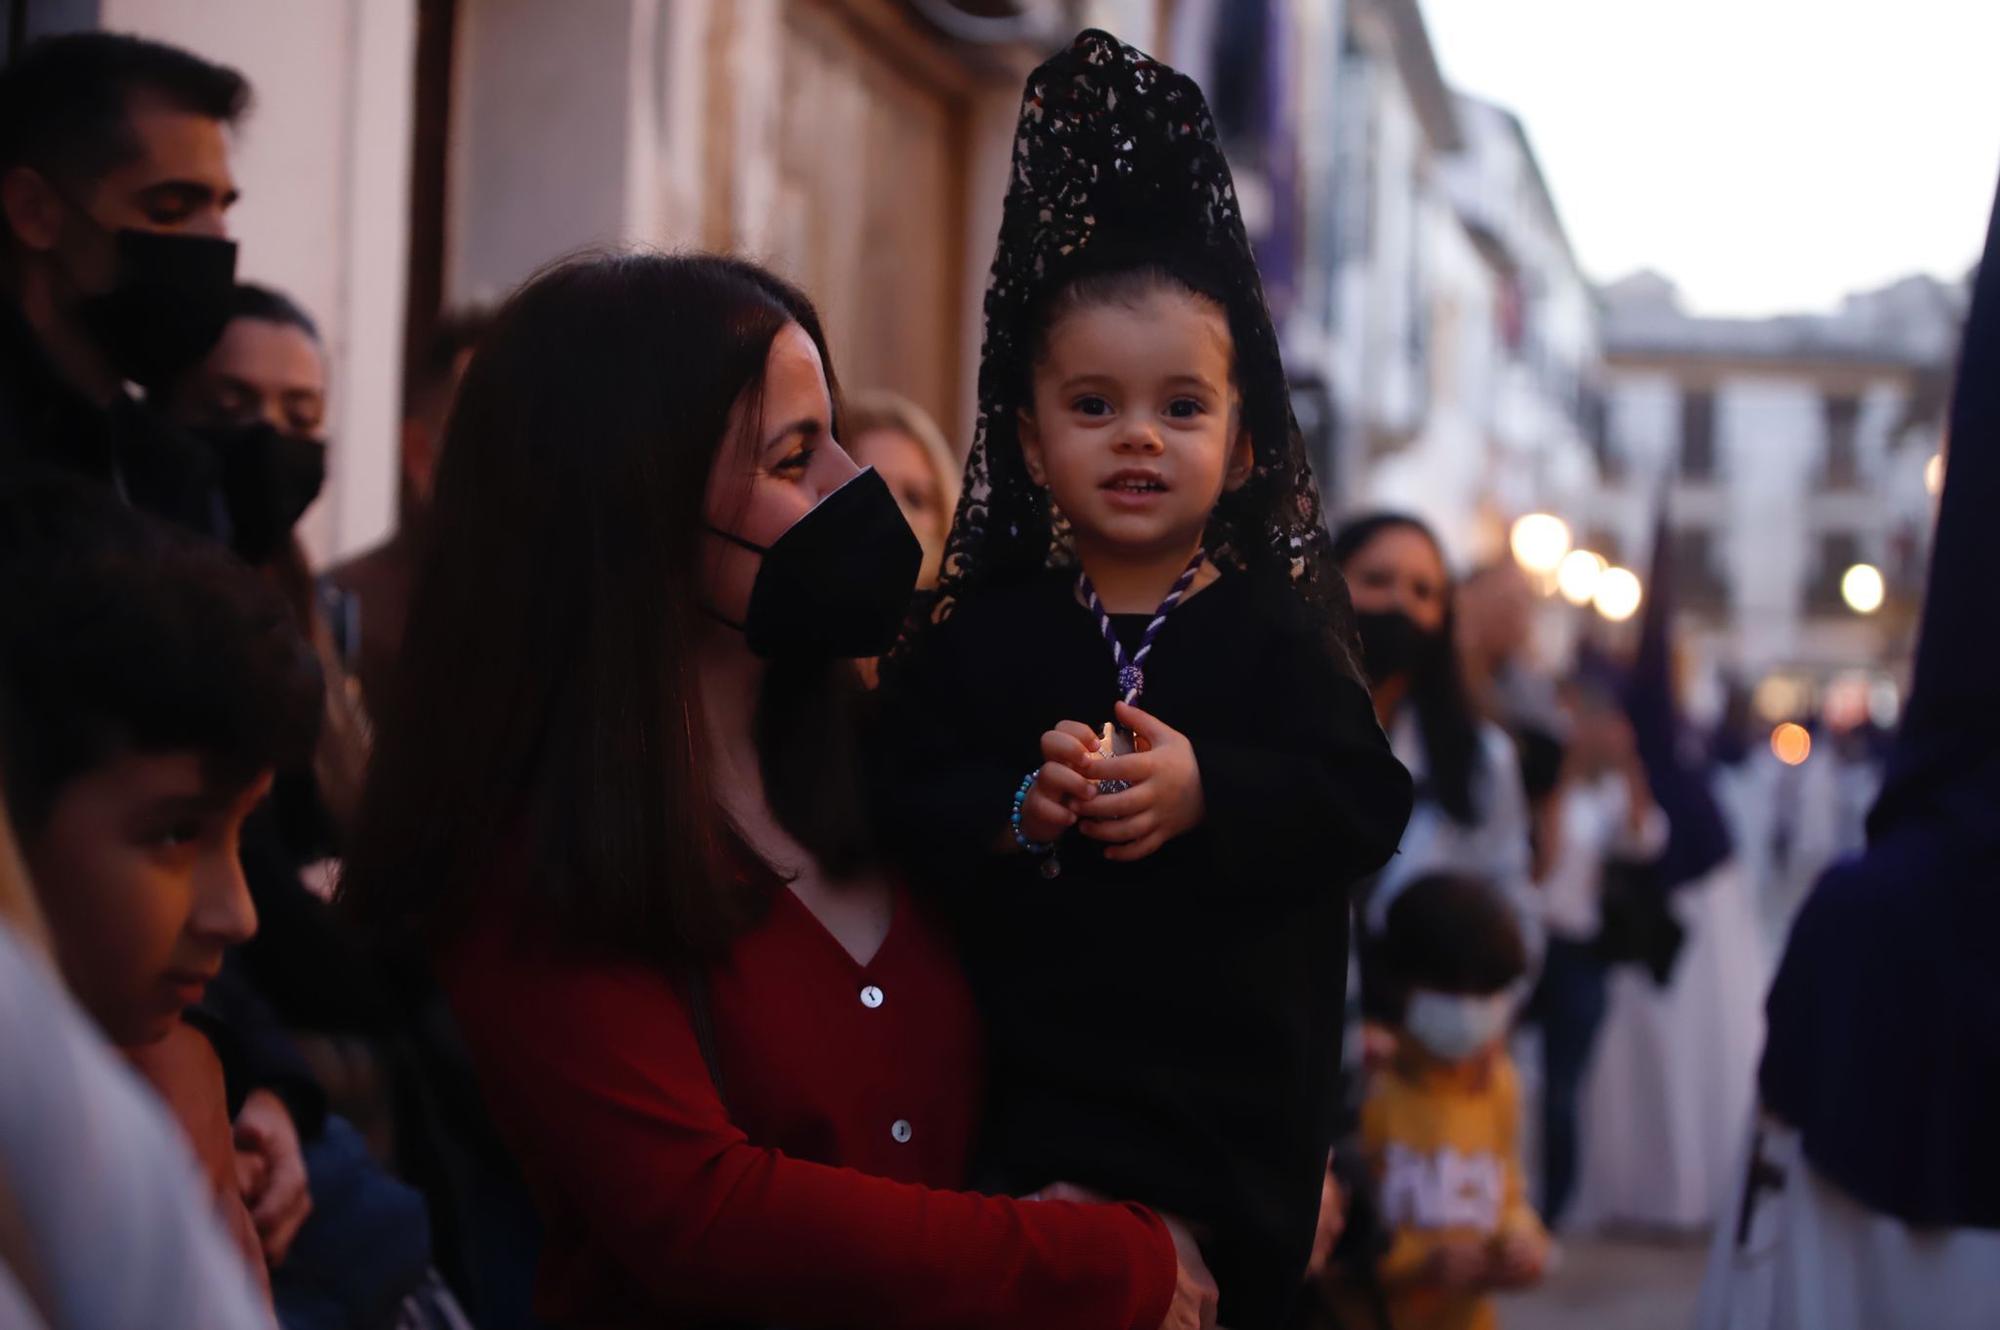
<point x="1020" y="837"/>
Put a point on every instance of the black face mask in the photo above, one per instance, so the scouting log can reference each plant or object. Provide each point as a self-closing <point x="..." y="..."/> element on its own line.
<point x="268" y="481"/>
<point x="839" y="581"/>
<point x="167" y="305"/>
<point x="1393" y="645"/>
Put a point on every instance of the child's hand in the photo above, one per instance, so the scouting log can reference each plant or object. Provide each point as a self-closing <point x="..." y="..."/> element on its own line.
<point x="1332" y="1223"/>
<point x="1458" y="1265"/>
<point x="271" y="1169"/>
<point x="1518" y="1260"/>
<point x="1165" y="800"/>
<point x="1060" y="786"/>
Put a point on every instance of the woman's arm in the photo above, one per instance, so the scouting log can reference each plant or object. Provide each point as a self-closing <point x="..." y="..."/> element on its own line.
<point x="596" y="1073"/>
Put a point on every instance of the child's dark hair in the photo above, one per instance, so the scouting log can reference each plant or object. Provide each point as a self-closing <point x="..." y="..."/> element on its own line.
<point x="120" y="634"/>
<point x="1452" y="933"/>
<point x="1118" y="278"/>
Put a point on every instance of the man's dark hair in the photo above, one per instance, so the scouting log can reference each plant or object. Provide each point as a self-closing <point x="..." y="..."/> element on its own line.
<point x="121" y="634"/>
<point x="1452" y="933"/>
<point x="63" y="104"/>
<point x="251" y="301"/>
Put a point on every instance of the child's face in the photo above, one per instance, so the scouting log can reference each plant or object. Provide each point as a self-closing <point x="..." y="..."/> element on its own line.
<point x="1458" y="1027"/>
<point x="137" y="871"/>
<point x="1134" y="426"/>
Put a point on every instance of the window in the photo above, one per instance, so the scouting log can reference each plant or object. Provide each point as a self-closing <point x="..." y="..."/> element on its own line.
<point x="1595" y="420"/>
<point x="1843" y="458"/>
<point x="1698" y="573"/>
<point x="1838" y="551"/>
<point x="1698" y="435"/>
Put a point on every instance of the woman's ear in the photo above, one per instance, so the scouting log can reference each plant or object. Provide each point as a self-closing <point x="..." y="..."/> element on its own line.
<point x="1242" y="461"/>
<point x="1031" y="445"/>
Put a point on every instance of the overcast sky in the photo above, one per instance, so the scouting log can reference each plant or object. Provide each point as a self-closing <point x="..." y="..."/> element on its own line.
<point x="1767" y="155"/>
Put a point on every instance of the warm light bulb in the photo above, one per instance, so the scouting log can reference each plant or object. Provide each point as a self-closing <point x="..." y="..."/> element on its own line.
<point x="1577" y="575"/>
<point x="1791" y="744"/>
<point x="1862" y="588"/>
<point x="1617" y="594"/>
<point x="1540" y="540"/>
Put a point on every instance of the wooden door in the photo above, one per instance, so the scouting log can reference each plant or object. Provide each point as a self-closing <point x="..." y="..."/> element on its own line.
<point x="870" y="208"/>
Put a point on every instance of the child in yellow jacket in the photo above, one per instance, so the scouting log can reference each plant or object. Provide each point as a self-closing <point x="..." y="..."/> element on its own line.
<point x="1440" y="1122"/>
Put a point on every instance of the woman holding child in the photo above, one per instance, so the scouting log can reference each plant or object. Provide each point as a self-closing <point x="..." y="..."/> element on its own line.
<point x="733" y="1051"/>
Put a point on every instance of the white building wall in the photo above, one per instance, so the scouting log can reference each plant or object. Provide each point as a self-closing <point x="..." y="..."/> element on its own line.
<point x="1447" y="473"/>
<point x="1768" y="434"/>
<point x="323" y="161"/>
<point x="543" y="118"/>
<point x="1766" y="509"/>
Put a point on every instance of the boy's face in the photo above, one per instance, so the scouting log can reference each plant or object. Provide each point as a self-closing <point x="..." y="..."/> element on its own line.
<point x="1134" y="428"/>
<point x="136" y="868"/>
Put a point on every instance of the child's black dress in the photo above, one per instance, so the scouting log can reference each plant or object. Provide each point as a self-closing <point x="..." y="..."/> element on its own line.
<point x="1166" y="1031"/>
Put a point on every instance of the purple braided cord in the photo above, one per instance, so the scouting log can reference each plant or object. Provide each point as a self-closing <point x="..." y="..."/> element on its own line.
<point x="1132" y="679"/>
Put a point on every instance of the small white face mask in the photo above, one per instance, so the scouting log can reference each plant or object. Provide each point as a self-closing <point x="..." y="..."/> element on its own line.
<point x="1453" y="1027"/>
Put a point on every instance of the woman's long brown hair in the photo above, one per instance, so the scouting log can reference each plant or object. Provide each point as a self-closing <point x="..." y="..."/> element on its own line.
<point x="548" y="733"/>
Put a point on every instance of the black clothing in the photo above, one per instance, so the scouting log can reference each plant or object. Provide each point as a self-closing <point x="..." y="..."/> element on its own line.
<point x="255" y="1051"/>
<point x="1884" y="1020"/>
<point x="45" y="422"/>
<point x="1570" y="1000"/>
<point x="1167" y="1030"/>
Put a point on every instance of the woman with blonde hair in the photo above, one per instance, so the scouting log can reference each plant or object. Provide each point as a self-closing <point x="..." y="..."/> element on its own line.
<point x="898" y="438"/>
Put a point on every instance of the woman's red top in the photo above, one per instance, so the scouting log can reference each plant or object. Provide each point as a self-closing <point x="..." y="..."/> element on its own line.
<point x="825" y="1193"/>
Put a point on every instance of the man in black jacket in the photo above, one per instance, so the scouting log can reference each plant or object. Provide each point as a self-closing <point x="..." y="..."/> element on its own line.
<point x="115" y="261"/>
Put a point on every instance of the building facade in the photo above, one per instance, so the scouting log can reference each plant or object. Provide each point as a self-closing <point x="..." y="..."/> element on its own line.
<point x="1442" y="339"/>
<point x="1788" y="450"/>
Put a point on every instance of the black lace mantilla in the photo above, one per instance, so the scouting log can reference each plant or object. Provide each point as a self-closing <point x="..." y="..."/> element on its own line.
<point x="1116" y="163"/>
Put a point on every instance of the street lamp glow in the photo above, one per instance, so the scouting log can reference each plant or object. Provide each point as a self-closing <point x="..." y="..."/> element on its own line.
<point x="1862" y="588"/>
<point x="1791" y="744"/>
<point x="1934" y="475"/>
<point x="1617" y="594"/>
<point x="1540" y="540"/>
<point x="1577" y="576"/>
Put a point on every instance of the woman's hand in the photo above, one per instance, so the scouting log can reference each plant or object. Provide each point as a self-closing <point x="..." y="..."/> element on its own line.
<point x="1165" y="798"/>
<point x="1195" y="1294"/>
<point x="271" y="1170"/>
<point x="1060" y="786"/>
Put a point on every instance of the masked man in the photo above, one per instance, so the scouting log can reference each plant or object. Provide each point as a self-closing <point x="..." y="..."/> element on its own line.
<point x="115" y="260"/>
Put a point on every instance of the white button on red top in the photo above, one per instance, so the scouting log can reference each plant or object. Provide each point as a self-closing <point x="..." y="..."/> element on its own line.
<point x="901" y="1131"/>
<point x="871" y="997"/>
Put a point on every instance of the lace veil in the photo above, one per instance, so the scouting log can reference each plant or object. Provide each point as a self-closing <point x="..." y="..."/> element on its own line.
<point x="1116" y="163"/>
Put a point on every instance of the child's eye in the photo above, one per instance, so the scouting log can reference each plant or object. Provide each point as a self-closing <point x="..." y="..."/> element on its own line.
<point x="1090" y="404"/>
<point x="175" y="835"/>
<point x="1183" y="408"/>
